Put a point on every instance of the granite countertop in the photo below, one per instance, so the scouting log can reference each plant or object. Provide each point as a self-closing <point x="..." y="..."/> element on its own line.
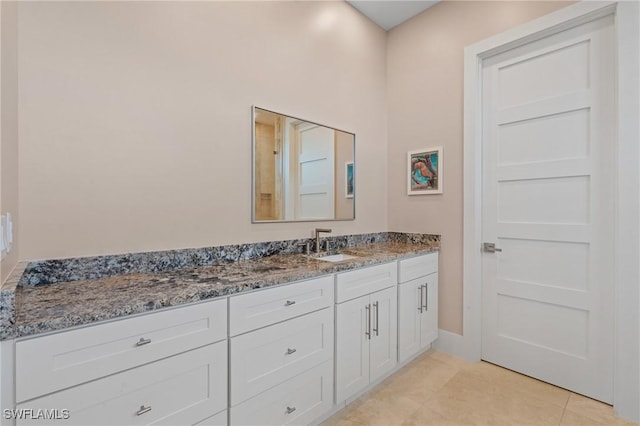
<point x="58" y="306"/>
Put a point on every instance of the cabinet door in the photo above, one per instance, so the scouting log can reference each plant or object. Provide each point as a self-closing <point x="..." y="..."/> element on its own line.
<point x="352" y="347"/>
<point x="410" y="299"/>
<point x="383" y="352"/>
<point x="429" y="320"/>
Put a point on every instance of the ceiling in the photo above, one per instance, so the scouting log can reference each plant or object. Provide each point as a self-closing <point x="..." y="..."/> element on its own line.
<point x="389" y="13"/>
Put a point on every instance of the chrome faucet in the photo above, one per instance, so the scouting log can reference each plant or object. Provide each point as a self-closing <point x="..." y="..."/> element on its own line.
<point x="318" y="231"/>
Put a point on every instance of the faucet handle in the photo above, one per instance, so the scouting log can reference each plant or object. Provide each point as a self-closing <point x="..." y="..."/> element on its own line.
<point x="307" y="249"/>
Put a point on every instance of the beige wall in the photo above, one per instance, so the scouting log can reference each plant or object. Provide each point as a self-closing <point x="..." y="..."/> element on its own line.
<point x="425" y="103"/>
<point x="9" y="125"/>
<point x="135" y="117"/>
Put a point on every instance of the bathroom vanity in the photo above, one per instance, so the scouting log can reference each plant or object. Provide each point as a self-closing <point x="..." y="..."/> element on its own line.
<point x="286" y="339"/>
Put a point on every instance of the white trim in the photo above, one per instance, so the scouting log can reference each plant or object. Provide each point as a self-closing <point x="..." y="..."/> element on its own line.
<point x="627" y="304"/>
<point x="450" y="343"/>
<point x="627" y="280"/>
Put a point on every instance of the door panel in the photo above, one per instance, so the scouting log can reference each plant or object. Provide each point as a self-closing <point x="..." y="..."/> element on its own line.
<point x="429" y="316"/>
<point x="352" y="347"/>
<point x="565" y="67"/>
<point x="384" y="328"/>
<point x="409" y="318"/>
<point x="548" y="144"/>
<point x="536" y="139"/>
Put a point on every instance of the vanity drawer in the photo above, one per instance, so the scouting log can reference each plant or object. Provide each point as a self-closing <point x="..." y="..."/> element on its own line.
<point x="299" y="401"/>
<point x="350" y="285"/>
<point x="269" y="356"/>
<point x="183" y="389"/>
<point x="265" y="307"/>
<point x="220" y="419"/>
<point x="417" y="267"/>
<point x="57" y="361"/>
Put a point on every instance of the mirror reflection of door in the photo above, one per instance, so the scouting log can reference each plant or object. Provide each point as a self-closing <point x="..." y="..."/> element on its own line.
<point x="314" y="197"/>
<point x="300" y="170"/>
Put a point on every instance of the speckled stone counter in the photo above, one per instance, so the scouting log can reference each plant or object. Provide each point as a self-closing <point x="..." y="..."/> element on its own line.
<point x="60" y="305"/>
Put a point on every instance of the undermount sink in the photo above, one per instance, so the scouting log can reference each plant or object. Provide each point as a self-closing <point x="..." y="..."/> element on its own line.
<point x="337" y="257"/>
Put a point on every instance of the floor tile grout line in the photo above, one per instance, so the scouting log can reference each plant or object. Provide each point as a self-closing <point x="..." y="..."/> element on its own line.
<point x="564" y="411"/>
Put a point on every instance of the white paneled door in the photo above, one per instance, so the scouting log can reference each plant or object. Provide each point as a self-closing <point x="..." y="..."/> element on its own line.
<point x="548" y="194"/>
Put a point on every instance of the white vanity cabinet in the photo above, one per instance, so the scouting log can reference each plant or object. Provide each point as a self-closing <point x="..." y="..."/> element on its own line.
<point x="281" y="354"/>
<point x="417" y="304"/>
<point x="168" y="367"/>
<point x="286" y="354"/>
<point x="366" y="331"/>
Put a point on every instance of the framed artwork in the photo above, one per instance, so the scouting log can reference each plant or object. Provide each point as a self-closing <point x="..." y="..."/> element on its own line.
<point x="348" y="181"/>
<point x="424" y="171"/>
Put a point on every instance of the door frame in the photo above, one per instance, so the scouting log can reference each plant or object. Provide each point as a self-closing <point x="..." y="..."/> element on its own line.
<point x="627" y="227"/>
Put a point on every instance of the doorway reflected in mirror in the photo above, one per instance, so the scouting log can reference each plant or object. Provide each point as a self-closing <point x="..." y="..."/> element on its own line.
<point x="302" y="171"/>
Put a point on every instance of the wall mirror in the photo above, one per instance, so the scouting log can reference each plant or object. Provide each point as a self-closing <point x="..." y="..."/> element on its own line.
<point x="302" y="171"/>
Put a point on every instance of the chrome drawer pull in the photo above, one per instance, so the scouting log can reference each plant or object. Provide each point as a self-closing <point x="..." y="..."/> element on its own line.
<point x="377" y="327"/>
<point x="291" y="410"/>
<point x="143" y="341"/>
<point x="368" y="320"/>
<point x="420" y="307"/>
<point x="290" y="302"/>
<point x="291" y="351"/>
<point x="143" y="410"/>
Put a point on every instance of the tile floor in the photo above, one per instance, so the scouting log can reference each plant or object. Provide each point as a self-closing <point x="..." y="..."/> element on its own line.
<point x="438" y="389"/>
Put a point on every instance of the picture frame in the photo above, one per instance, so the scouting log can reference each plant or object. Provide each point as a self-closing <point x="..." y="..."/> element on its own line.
<point x="348" y="179"/>
<point x="424" y="171"/>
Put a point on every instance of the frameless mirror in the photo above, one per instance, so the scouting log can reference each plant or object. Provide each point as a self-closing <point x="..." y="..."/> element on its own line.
<point x="302" y="171"/>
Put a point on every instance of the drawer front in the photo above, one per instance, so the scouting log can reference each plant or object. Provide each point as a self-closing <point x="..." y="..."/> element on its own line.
<point x="58" y="361"/>
<point x="219" y="419"/>
<point x="417" y="267"/>
<point x="350" y="285"/>
<point x="272" y="355"/>
<point x="299" y="401"/>
<point x="183" y="389"/>
<point x="265" y="307"/>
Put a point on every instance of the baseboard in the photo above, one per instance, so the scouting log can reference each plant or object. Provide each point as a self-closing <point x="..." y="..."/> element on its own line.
<point x="453" y="344"/>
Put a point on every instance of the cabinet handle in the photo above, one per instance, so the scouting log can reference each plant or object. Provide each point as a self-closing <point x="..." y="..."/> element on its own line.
<point x="420" y="307"/>
<point x="375" y="305"/>
<point x="143" y="410"/>
<point x="426" y="298"/>
<point x="290" y="302"/>
<point x="368" y="331"/>
<point x="291" y="351"/>
<point x="143" y="342"/>
<point x="291" y="410"/>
